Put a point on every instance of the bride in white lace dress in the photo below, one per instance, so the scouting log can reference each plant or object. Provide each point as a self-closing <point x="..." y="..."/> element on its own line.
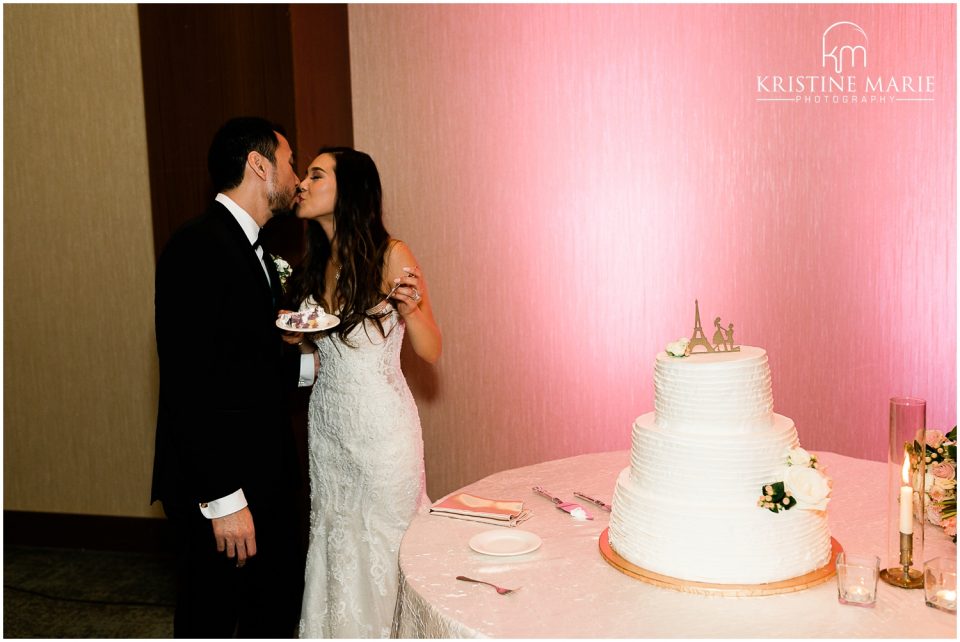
<point x="366" y="449"/>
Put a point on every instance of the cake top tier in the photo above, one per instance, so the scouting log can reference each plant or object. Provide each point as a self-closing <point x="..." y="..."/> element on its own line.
<point x="719" y="391"/>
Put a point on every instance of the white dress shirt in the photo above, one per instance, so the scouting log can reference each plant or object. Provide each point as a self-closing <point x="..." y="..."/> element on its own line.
<point x="250" y="227"/>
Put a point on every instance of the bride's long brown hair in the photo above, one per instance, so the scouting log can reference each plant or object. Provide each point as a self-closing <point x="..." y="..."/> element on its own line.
<point x="362" y="242"/>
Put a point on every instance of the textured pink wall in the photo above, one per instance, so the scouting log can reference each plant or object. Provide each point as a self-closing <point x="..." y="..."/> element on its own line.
<point x="572" y="177"/>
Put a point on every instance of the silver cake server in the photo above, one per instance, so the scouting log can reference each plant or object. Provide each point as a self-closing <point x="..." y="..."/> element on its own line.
<point x="576" y="510"/>
<point x="599" y="503"/>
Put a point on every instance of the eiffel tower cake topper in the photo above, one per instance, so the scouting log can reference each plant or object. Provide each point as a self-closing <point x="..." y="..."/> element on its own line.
<point x="722" y="338"/>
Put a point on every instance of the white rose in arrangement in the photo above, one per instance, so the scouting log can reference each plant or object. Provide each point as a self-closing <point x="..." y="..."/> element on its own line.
<point x="679" y="347"/>
<point x="937" y="494"/>
<point x="931" y="481"/>
<point x="798" y="457"/>
<point x="945" y="484"/>
<point x="809" y="487"/>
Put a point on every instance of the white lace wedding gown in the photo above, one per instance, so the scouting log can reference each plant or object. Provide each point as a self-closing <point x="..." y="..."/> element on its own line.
<point x="366" y="483"/>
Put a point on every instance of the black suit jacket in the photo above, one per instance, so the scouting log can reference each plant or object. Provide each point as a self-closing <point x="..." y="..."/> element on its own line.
<point x="222" y="422"/>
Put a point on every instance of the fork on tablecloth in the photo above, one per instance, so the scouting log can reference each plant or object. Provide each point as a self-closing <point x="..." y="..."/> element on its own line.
<point x="500" y="589"/>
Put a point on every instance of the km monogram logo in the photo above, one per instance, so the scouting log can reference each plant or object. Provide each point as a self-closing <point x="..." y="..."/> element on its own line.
<point x="842" y="41"/>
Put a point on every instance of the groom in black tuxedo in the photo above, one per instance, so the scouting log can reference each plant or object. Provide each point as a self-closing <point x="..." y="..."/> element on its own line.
<point x="226" y="467"/>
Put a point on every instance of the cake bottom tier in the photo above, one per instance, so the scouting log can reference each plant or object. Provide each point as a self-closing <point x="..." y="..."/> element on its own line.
<point x="722" y="544"/>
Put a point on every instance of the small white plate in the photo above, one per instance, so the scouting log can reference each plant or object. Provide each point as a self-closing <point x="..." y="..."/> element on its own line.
<point x="505" y="541"/>
<point x="324" y="323"/>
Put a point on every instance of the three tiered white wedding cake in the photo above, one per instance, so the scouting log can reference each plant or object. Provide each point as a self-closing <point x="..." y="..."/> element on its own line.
<point x="718" y="490"/>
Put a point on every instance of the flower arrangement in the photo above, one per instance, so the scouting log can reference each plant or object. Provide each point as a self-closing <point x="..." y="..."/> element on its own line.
<point x="804" y="485"/>
<point x="939" y="453"/>
<point x="283" y="270"/>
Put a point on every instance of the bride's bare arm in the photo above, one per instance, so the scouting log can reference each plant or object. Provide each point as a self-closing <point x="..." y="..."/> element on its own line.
<point x="412" y="300"/>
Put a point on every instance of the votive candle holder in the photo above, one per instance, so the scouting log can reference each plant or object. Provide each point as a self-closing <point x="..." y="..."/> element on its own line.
<point x="940" y="583"/>
<point x="857" y="577"/>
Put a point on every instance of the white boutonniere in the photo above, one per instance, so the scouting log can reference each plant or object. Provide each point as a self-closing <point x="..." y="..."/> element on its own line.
<point x="283" y="270"/>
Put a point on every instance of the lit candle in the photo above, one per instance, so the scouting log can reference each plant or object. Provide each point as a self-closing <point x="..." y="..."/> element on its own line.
<point x="858" y="594"/>
<point x="947" y="598"/>
<point x="906" y="501"/>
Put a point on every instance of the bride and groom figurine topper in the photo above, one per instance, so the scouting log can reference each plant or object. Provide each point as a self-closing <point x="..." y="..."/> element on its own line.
<point x="722" y="339"/>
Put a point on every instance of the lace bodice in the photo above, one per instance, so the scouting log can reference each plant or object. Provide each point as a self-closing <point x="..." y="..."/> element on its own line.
<point x="372" y="360"/>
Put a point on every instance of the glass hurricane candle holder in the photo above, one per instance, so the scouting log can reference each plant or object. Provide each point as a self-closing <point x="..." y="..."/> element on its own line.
<point x="905" y="494"/>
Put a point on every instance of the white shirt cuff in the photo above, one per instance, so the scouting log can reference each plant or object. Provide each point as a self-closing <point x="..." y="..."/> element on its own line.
<point x="306" y="370"/>
<point x="225" y="505"/>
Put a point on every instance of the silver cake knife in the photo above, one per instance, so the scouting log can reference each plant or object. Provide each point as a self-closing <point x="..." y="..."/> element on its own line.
<point x="576" y="510"/>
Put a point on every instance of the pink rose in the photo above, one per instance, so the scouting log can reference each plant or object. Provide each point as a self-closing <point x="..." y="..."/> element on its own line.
<point x="935" y="438"/>
<point x="944" y="470"/>
<point x="950" y="526"/>
<point x="937" y="494"/>
<point x="933" y="513"/>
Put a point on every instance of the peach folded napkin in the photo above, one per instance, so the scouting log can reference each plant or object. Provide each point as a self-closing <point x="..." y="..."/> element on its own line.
<point x="498" y="512"/>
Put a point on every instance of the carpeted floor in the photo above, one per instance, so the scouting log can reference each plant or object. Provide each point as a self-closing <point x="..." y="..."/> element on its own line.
<point x="60" y="593"/>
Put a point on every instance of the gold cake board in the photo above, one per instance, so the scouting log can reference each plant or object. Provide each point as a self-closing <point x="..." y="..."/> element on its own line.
<point x="812" y="578"/>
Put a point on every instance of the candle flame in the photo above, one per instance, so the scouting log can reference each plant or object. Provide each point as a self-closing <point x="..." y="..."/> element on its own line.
<point x="905" y="471"/>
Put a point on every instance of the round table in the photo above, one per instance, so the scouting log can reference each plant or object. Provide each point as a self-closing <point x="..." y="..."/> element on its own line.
<point x="568" y="590"/>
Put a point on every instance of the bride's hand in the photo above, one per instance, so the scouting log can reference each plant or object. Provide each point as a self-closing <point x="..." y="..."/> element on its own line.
<point x="413" y="287"/>
<point x="412" y="301"/>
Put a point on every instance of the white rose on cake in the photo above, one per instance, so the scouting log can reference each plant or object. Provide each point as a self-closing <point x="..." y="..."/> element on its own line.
<point x="799" y="457"/>
<point x="809" y="487"/>
<point x="678" y="348"/>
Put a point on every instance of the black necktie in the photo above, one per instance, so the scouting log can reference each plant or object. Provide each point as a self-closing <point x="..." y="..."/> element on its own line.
<point x="256" y="244"/>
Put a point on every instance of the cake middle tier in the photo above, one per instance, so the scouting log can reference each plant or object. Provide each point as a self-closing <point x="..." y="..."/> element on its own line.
<point x="716" y="468"/>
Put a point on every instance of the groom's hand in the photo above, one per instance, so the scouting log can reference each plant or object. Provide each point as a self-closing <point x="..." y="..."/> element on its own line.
<point x="235" y="535"/>
<point x="293" y="338"/>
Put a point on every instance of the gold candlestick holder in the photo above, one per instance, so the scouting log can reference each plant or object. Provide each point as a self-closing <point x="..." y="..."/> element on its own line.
<point x="907" y="469"/>
<point x="904" y="575"/>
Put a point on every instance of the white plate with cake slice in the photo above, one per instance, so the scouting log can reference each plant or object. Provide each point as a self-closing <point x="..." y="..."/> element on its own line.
<point x="307" y="321"/>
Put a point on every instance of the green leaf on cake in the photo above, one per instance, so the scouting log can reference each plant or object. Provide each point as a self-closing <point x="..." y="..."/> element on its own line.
<point x="775" y="498"/>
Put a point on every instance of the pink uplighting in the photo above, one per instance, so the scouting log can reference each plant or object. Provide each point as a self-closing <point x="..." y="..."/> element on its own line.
<point x="572" y="177"/>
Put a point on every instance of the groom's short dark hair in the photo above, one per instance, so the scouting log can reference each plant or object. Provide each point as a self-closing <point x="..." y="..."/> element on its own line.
<point x="231" y="144"/>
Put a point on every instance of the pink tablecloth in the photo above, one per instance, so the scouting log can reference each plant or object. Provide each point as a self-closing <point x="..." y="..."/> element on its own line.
<point x="570" y="591"/>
